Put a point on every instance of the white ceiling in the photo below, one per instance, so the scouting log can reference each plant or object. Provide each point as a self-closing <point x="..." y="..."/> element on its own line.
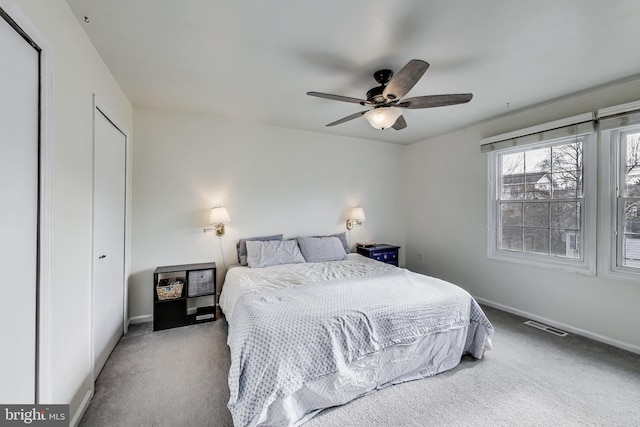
<point x="255" y="60"/>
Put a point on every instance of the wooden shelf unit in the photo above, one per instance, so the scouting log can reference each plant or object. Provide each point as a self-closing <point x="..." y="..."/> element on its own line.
<point x="197" y="280"/>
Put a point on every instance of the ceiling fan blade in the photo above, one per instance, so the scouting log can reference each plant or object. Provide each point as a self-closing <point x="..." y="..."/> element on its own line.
<point x="346" y="119"/>
<point x="338" y="98"/>
<point x="435" y="100"/>
<point x="405" y="79"/>
<point x="400" y="123"/>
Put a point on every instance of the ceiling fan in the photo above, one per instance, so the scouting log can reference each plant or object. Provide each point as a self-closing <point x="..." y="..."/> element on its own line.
<point x="387" y="101"/>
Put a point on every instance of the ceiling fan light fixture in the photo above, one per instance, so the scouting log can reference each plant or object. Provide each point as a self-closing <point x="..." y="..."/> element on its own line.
<point x="383" y="117"/>
<point x="388" y="99"/>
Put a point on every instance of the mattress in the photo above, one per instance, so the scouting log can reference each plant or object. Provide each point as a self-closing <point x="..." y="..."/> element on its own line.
<point x="304" y="337"/>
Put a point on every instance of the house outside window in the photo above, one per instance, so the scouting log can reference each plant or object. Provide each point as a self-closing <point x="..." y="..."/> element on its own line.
<point x="541" y="205"/>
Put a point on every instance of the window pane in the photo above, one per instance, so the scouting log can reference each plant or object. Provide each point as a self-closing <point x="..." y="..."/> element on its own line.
<point x="631" y="235"/>
<point x="567" y="170"/>
<point x="512" y="172"/>
<point x="512" y="187"/>
<point x="512" y="163"/>
<point x="632" y="172"/>
<point x="565" y="243"/>
<point x="633" y="186"/>
<point x="537" y="168"/>
<point x="631" y="251"/>
<point x="538" y="185"/>
<point x="567" y="185"/>
<point x="567" y="157"/>
<point x="536" y="240"/>
<point x="511" y="214"/>
<point x="565" y="216"/>
<point x="538" y="160"/>
<point x="565" y="229"/>
<point x="511" y="238"/>
<point x="536" y="215"/>
<point x="632" y="217"/>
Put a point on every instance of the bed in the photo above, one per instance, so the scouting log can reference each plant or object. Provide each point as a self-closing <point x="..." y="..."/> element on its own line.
<point x="305" y="336"/>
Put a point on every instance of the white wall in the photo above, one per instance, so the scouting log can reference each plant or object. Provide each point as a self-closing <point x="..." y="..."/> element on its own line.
<point x="447" y="221"/>
<point x="272" y="180"/>
<point x="78" y="72"/>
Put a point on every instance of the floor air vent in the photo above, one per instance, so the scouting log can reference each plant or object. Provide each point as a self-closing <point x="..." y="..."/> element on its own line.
<point x="546" y="328"/>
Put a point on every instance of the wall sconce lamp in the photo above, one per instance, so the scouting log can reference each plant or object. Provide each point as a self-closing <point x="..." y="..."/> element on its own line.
<point x="356" y="218"/>
<point x="218" y="217"/>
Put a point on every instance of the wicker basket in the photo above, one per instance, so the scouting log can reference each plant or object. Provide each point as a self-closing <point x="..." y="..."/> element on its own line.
<point x="170" y="291"/>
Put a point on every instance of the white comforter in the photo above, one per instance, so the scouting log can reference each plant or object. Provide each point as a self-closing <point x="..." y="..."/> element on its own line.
<point x="304" y="337"/>
<point x="240" y="280"/>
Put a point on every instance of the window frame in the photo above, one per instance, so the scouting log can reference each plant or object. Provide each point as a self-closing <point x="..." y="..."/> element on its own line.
<point x="586" y="264"/>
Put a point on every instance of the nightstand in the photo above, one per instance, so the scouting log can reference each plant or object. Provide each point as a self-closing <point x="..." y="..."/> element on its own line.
<point x="380" y="252"/>
<point x="173" y="285"/>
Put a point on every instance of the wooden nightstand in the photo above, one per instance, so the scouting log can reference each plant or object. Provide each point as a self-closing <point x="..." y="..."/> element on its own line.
<point x="380" y="252"/>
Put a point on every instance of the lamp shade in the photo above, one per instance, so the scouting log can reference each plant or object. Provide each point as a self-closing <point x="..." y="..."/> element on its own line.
<point x="219" y="215"/>
<point x="383" y="117"/>
<point x="358" y="214"/>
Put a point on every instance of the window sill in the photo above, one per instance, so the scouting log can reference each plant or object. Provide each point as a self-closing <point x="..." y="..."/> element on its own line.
<point x="619" y="273"/>
<point x="530" y="260"/>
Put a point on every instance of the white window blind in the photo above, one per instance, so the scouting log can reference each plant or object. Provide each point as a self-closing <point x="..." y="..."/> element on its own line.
<point x="582" y="124"/>
<point x="620" y="116"/>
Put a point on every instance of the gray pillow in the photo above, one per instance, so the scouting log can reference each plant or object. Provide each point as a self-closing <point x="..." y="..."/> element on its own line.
<point x="272" y="252"/>
<point x="321" y="249"/>
<point x="241" y="247"/>
<point x="343" y="239"/>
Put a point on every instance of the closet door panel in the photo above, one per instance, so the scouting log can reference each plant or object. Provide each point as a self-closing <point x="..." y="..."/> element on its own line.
<point x="108" y="238"/>
<point x="19" y="145"/>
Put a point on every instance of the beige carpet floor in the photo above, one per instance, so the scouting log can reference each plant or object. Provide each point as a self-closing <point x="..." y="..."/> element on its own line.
<point x="178" y="377"/>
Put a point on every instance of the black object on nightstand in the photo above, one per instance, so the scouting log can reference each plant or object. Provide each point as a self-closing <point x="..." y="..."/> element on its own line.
<point x="380" y="252"/>
<point x="173" y="285"/>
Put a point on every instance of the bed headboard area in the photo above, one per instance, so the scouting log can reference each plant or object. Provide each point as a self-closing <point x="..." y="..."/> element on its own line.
<point x="264" y="251"/>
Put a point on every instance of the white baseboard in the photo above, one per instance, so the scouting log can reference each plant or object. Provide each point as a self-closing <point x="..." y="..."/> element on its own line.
<point x="141" y="319"/>
<point x="577" y="331"/>
<point x="82" y="409"/>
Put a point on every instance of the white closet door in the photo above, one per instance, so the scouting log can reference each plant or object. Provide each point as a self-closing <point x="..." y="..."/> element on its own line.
<point x="19" y="140"/>
<point x="108" y="238"/>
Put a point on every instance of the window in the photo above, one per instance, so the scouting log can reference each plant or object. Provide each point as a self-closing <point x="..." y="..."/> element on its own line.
<point x="542" y="195"/>
<point x="628" y="199"/>
<point x="620" y="136"/>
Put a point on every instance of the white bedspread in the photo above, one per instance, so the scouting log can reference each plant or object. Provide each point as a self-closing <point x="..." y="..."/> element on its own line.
<point x="307" y="336"/>
<point x="240" y="280"/>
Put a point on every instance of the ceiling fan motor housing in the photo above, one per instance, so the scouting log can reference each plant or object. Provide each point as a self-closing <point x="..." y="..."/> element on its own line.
<point x="383" y="77"/>
<point x="375" y="95"/>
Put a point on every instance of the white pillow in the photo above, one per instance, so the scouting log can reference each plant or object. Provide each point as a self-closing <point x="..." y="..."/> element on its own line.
<point x="321" y="249"/>
<point x="263" y="253"/>
<point x="242" y="246"/>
